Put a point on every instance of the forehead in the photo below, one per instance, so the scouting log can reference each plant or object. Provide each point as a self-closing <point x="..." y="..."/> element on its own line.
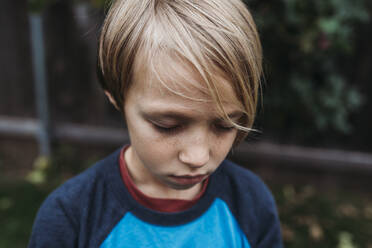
<point x="174" y="81"/>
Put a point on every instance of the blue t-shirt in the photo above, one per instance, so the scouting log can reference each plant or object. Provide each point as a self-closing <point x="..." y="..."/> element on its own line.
<point x="95" y="209"/>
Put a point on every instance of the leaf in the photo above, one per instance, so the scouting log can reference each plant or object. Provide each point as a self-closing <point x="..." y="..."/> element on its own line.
<point x="329" y="26"/>
<point x="5" y="203"/>
<point x="316" y="231"/>
<point x="39" y="174"/>
<point x="346" y="240"/>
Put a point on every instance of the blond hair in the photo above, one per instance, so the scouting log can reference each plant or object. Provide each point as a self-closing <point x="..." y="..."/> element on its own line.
<point x="211" y="36"/>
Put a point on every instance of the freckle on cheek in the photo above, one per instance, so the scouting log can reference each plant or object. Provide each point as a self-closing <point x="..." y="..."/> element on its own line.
<point x="165" y="145"/>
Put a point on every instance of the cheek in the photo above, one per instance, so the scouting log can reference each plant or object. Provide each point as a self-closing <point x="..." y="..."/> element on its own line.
<point x="223" y="145"/>
<point x="149" y="140"/>
<point x="151" y="148"/>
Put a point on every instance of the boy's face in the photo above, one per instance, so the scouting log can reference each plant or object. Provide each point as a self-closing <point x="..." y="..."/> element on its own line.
<point x="176" y="142"/>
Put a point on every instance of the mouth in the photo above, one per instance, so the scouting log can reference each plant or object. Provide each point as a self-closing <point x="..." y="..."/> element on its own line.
<point x="188" y="179"/>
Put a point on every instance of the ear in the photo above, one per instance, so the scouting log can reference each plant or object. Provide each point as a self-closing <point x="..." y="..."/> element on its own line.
<point x="111" y="99"/>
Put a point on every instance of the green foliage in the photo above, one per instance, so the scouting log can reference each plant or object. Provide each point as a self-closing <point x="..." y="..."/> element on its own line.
<point x="38" y="5"/>
<point x="65" y="161"/>
<point x="312" y="218"/>
<point x="99" y="3"/>
<point x="19" y="202"/>
<point x="307" y="47"/>
<point x="40" y="171"/>
<point x="345" y="240"/>
<point x="331" y="104"/>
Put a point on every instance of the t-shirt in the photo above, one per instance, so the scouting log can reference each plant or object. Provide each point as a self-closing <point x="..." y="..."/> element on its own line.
<point x="95" y="209"/>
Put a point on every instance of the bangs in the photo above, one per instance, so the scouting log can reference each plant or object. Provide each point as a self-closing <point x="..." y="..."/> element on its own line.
<point x="177" y="76"/>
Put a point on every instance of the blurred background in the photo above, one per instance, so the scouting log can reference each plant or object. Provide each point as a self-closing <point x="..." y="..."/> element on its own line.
<point x="313" y="148"/>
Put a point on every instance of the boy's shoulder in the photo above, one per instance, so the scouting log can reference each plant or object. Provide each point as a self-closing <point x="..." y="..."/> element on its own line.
<point x="77" y="191"/>
<point x="244" y="180"/>
<point x="94" y="176"/>
<point x="232" y="169"/>
<point x="74" y="202"/>
<point x="251" y="202"/>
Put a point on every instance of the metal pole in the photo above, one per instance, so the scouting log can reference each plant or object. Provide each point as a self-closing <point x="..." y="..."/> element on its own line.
<point x="38" y="61"/>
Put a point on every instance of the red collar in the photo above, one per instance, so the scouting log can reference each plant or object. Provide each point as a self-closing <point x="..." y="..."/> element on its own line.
<point x="158" y="204"/>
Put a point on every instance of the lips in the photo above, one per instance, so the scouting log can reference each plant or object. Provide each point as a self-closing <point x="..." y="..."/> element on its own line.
<point x="188" y="179"/>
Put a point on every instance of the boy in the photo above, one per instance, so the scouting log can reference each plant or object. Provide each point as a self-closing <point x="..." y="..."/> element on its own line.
<point x="185" y="75"/>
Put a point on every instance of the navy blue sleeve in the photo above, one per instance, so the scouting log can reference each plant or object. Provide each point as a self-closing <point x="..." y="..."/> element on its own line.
<point x="83" y="210"/>
<point x="54" y="226"/>
<point x="253" y="205"/>
<point x="269" y="233"/>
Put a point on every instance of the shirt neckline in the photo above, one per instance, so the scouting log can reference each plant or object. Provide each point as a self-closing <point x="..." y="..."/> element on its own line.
<point x="127" y="203"/>
<point x="158" y="204"/>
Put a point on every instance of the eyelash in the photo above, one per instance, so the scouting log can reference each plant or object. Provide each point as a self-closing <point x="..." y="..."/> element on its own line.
<point x="175" y="129"/>
<point x="224" y="128"/>
<point x="167" y="130"/>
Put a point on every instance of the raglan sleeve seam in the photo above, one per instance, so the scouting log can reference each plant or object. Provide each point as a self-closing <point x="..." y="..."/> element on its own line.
<point x="73" y="222"/>
<point x="54" y="224"/>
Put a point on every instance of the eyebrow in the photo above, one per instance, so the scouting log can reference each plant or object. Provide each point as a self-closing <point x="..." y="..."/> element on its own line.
<point x="175" y="115"/>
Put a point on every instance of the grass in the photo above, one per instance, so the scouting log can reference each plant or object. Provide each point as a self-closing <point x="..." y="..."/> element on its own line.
<point x="19" y="202"/>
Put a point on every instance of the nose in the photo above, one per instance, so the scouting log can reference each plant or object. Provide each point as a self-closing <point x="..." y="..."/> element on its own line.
<point x="195" y="155"/>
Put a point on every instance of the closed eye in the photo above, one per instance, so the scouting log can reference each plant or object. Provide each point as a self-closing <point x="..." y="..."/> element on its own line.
<point x="224" y="127"/>
<point x="218" y="127"/>
<point x="165" y="128"/>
